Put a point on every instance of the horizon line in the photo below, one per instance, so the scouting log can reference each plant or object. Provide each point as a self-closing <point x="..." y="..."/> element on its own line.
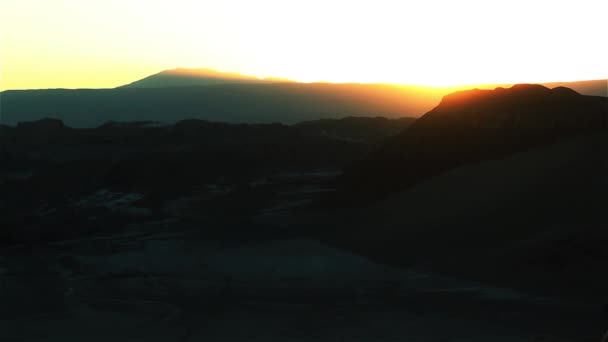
<point x="293" y="81"/>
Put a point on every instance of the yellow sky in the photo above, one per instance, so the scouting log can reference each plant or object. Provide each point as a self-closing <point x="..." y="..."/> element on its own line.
<point x="106" y="43"/>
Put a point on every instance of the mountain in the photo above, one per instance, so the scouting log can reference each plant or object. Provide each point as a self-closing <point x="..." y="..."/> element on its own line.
<point x="505" y="186"/>
<point x="587" y="87"/>
<point x="593" y="88"/>
<point x="205" y="94"/>
<point x="470" y="127"/>
<point x="286" y="103"/>
<point x="182" y="77"/>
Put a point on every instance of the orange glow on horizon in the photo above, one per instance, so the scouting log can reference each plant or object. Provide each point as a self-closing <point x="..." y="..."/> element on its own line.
<point x="433" y="43"/>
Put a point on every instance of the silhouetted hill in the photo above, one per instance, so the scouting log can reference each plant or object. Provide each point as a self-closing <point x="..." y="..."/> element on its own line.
<point x="473" y="126"/>
<point x="588" y="87"/>
<point x="236" y="103"/>
<point x="182" y="77"/>
<point x="205" y="94"/>
<point x="43" y="126"/>
<point x="593" y="88"/>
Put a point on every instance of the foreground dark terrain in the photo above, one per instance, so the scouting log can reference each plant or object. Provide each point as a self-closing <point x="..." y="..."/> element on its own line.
<point x="484" y="220"/>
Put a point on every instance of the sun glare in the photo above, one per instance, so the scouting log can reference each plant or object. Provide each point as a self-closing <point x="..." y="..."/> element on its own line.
<point x="75" y="43"/>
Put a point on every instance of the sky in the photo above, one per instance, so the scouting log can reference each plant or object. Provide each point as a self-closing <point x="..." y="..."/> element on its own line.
<point x="107" y="43"/>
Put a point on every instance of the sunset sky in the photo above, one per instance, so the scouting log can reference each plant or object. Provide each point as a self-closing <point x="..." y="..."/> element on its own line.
<point x="106" y="43"/>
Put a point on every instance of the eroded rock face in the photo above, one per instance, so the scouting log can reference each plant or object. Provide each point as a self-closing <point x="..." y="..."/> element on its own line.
<point x="59" y="182"/>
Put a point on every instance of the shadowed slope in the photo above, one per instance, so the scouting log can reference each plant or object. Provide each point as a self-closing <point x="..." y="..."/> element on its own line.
<point x="534" y="220"/>
<point x="469" y="127"/>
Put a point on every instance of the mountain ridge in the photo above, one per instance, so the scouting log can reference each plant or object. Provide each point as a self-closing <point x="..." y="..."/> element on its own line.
<point x="473" y="126"/>
<point x="234" y="103"/>
<point x="596" y="87"/>
<point x="246" y="101"/>
<point x="185" y="77"/>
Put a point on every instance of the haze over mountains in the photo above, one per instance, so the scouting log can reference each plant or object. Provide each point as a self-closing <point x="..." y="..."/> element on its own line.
<point x="185" y="77"/>
<point x="593" y="88"/>
<point x="179" y="94"/>
<point x="234" y="103"/>
<point x="182" y="77"/>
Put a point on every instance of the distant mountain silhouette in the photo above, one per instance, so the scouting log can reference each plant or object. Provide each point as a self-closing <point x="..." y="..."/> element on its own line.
<point x="205" y="94"/>
<point x="473" y="126"/>
<point x="234" y="103"/>
<point x="182" y="77"/>
<point x="593" y="88"/>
